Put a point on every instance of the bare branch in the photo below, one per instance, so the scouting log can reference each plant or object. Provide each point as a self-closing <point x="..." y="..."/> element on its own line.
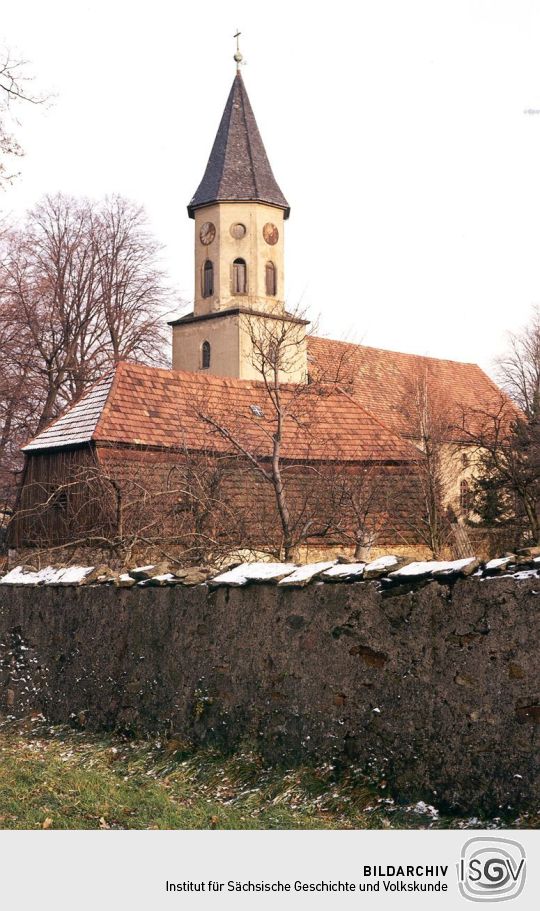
<point x="14" y="91"/>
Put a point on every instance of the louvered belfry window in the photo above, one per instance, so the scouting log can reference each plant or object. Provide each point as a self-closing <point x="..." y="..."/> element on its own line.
<point x="271" y="283"/>
<point x="239" y="277"/>
<point x="205" y="352"/>
<point x="208" y="279"/>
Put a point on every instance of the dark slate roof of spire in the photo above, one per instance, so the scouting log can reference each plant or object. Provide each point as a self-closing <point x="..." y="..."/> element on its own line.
<point x="238" y="167"/>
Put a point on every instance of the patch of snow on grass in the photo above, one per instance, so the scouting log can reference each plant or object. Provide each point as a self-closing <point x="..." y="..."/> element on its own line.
<point x="426" y="809"/>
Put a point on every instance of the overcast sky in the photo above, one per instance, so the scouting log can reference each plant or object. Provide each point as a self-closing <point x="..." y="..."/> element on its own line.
<point x="398" y="131"/>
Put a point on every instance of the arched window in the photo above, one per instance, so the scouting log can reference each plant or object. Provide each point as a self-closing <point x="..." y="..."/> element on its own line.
<point x="239" y="277"/>
<point x="205" y="355"/>
<point x="271" y="279"/>
<point x="208" y="279"/>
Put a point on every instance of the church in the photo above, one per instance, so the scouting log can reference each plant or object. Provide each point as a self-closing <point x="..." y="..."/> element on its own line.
<point x="261" y="435"/>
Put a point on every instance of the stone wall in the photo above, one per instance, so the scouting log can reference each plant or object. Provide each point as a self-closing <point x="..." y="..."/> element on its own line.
<point x="434" y="687"/>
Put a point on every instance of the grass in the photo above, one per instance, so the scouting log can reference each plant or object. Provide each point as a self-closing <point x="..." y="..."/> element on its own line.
<point x="57" y="777"/>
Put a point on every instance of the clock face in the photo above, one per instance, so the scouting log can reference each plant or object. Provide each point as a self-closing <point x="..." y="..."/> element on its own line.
<point x="207" y="233"/>
<point x="270" y="233"/>
<point x="238" y="231"/>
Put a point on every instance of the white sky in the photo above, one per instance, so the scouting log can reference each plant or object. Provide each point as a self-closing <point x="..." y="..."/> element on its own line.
<point x="397" y="130"/>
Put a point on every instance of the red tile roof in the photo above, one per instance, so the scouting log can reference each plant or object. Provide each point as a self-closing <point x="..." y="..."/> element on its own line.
<point x="146" y="406"/>
<point x="357" y="408"/>
<point x="383" y="382"/>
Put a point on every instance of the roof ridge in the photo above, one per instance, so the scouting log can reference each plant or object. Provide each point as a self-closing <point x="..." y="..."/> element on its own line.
<point x="229" y="111"/>
<point x="208" y="378"/>
<point x="116" y="372"/>
<point x="248" y="135"/>
<point x="426" y="357"/>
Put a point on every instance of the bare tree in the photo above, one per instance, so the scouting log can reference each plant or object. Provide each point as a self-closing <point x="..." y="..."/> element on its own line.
<point x="15" y="92"/>
<point x="130" y="286"/>
<point x="317" y="500"/>
<point x="507" y="479"/>
<point x="80" y="281"/>
<point x="276" y="346"/>
<point x="48" y="287"/>
<point x="19" y="398"/>
<point x="355" y="504"/>
<point x="430" y="424"/>
<point x="80" y="288"/>
<point x="519" y="367"/>
<point x="506" y="437"/>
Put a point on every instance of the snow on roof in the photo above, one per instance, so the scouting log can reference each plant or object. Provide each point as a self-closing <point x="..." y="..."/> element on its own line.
<point x="78" y="423"/>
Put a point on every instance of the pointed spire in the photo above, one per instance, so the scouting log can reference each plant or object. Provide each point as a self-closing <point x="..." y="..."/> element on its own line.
<point x="238" y="168"/>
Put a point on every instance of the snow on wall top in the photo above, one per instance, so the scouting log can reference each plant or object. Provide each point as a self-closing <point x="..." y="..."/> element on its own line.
<point x="288" y="575"/>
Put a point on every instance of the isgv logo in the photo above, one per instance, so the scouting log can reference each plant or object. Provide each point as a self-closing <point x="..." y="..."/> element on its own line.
<point x="491" y="869"/>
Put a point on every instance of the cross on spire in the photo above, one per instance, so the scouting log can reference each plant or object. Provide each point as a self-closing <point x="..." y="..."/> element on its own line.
<point x="238" y="56"/>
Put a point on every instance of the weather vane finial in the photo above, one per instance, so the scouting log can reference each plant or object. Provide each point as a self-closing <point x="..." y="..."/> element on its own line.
<point x="238" y="56"/>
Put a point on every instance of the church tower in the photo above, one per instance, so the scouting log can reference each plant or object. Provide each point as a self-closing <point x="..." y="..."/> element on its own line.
<point x="239" y="213"/>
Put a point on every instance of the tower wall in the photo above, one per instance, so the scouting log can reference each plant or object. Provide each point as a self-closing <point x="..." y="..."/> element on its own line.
<point x="223" y="335"/>
<point x="234" y="339"/>
<point x="252" y="247"/>
<point x="264" y="333"/>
